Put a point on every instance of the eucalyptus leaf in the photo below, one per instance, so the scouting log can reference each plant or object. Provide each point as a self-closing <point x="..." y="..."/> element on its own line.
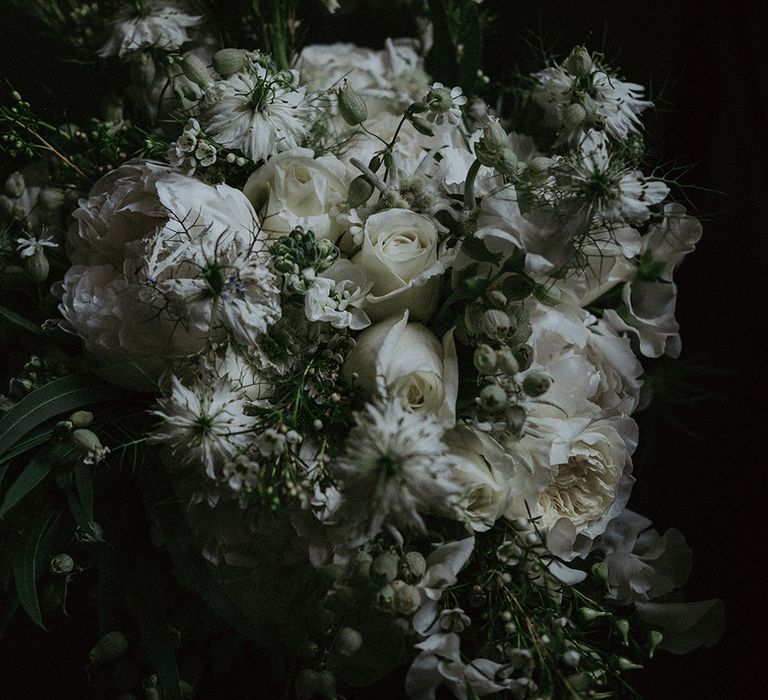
<point x="15" y="318"/>
<point x="59" y="396"/>
<point x="30" y="560"/>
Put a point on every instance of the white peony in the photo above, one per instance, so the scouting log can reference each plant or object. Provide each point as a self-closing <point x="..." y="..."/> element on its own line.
<point x="407" y="361"/>
<point x="401" y="255"/>
<point x="296" y="189"/>
<point x="163" y="265"/>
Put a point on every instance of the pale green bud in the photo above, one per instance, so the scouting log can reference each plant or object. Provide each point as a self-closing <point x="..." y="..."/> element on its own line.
<point x="407" y="598"/>
<point x="422" y="126"/>
<point x="509" y="164"/>
<point x="590" y="614"/>
<point x="85" y="439"/>
<point x="352" y="107"/>
<point x="493" y="398"/>
<point x="574" y="115"/>
<point x="485" y="359"/>
<point x="51" y="198"/>
<point x="536" y="384"/>
<point x="15" y="185"/>
<point x="490" y="147"/>
<point x="627" y="665"/>
<point x="62" y="564"/>
<point x="142" y="69"/>
<point x="227" y="62"/>
<point x="110" y="647"/>
<point x="622" y="627"/>
<point x="348" y="641"/>
<point x="81" y="419"/>
<point x="579" y="63"/>
<point x="571" y="658"/>
<point x="540" y="164"/>
<point x="507" y="361"/>
<point x="600" y="572"/>
<point x="385" y="597"/>
<point x="360" y="191"/>
<point x="385" y="567"/>
<point x="654" y="639"/>
<point x="37" y="266"/>
<point x="495" y="323"/>
<point x="195" y="69"/>
<point x="524" y="355"/>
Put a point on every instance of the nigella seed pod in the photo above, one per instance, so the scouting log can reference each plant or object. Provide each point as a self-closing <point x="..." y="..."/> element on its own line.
<point x="352" y="107"/>
<point x="195" y="69"/>
<point x="110" y="647"/>
<point x="348" y="641"/>
<point x="227" y="62"/>
<point x="62" y="564"/>
<point x="37" y="266"/>
<point x="360" y="191"/>
<point x="536" y="384"/>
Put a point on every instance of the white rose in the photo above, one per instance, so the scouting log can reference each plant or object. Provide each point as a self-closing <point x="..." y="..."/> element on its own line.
<point x="400" y="254"/>
<point x="484" y="473"/>
<point x="582" y="472"/>
<point x="296" y="189"/>
<point x="407" y="360"/>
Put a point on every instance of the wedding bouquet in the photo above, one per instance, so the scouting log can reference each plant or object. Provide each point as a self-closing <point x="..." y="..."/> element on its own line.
<point x="360" y="334"/>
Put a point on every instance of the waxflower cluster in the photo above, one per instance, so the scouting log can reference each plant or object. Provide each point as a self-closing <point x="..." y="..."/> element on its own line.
<point x="405" y="339"/>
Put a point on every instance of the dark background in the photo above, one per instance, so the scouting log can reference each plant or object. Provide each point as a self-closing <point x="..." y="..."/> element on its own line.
<point x="706" y="64"/>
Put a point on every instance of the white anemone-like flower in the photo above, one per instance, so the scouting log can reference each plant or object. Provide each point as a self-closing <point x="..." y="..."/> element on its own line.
<point x="204" y="423"/>
<point x="155" y="24"/>
<point x="619" y="194"/>
<point x="257" y="112"/>
<point x="394" y="468"/>
<point x="30" y="244"/>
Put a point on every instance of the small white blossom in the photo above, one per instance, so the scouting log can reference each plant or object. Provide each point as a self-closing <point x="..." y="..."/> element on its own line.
<point x="30" y="244"/>
<point x="444" y="104"/>
<point x="337" y="297"/>
<point x="204" y="423"/>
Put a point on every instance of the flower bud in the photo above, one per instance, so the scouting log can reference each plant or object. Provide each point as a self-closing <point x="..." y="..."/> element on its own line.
<point x="524" y="355"/>
<point x="622" y="627"/>
<point x="62" y="564"/>
<point x="574" y="115"/>
<point x="508" y="164"/>
<point x="497" y="299"/>
<point x="507" y="361"/>
<point x="579" y="63"/>
<point x="414" y="566"/>
<point x="422" y="126"/>
<point x="37" y="266"/>
<point x="306" y="683"/>
<point x="15" y="185"/>
<point x="590" y="614"/>
<point x="495" y="323"/>
<point x="407" y="598"/>
<point x="600" y="572"/>
<point x="85" y="439"/>
<point x="493" y="398"/>
<point x="627" y="665"/>
<point x="536" y="384"/>
<point x="51" y="198"/>
<point x="348" y="641"/>
<point x="326" y="684"/>
<point x="571" y="657"/>
<point x="385" y="597"/>
<point x="490" y="148"/>
<point x="385" y="567"/>
<point x="360" y="191"/>
<point x="351" y="106"/>
<point x="110" y="647"/>
<point x="654" y="639"/>
<point x="361" y="564"/>
<point x="227" y="62"/>
<point x="540" y="164"/>
<point x="81" y="419"/>
<point x="485" y="359"/>
<point x="195" y="69"/>
<point x="142" y="69"/>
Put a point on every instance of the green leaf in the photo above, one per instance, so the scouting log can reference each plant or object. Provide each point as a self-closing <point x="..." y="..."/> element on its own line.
<point x="38" y="468"/>
<point x="30" y="560"/>
<point x="53" y="399"/>
<point x="146" y="600"/>
<point x="13" y="317"/>
<point x="476" y="249"/>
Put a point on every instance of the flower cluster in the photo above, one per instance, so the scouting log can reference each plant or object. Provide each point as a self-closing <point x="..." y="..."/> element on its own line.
<point x="408" y="337"/>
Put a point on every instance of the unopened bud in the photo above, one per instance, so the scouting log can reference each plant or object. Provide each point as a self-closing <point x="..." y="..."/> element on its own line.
<point x="348" y="641"/>
<point x="195" y="69"/>
<point x="81" y="419"/>
<point x="540" y="164"/>
<point x="15" y="185"/>
<point x="654" y="639"/>
<point x="110" y="647"/>
<point x="37" y="266"/>
<point x="407" y="598"/>
<point x="51" y="198"/>
<point x="385" y="597"/>
<point x="352" y="107"/>
<point x="590" y="614"/>
<point x="490" y="148"/>
<point x="571" y="657"/>
<point x="600" y="572"/>
<point x="495" y="323"/>
<point x="493" y="398"/>
<point x="579" y="63"/>
<point x="62" y="564"/>
<point x="360" y="191"/>
<point x="306" y="683"/>
<point x="326" y="685"/>
<point x="485" y="359"/>
<point x="508" y="164"/>
<point x="524" y="355"/>
<point x="85" y="439"/>
<point x="536" y="384"/>
<point x="627" y="665"/>
<point x="422" y="126"/>
<point x="622" y="627"/>
<point x="507" y="361"/>
<point x="574" y="115"/>
<point x="361" y="564"/>
<point x="414" y="565"/>
<point x="227" y="62"/>
<point x="385" y="567"/>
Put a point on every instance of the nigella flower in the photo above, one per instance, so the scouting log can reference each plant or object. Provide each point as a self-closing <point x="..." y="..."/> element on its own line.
<point x="257" y="112"/>
<point x="204" y="424"/>
<point x="395" y="467"/>
<point x="618" y="193"/>
<point x="444" y="104"/>
<point x="153" y="24"/>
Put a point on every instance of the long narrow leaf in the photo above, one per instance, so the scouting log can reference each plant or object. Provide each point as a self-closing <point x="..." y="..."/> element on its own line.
<point x="33" y="474"/>
<point x="30" y="560"/>
<point x="24" y="323"/>
<point x="53" y="399"/>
